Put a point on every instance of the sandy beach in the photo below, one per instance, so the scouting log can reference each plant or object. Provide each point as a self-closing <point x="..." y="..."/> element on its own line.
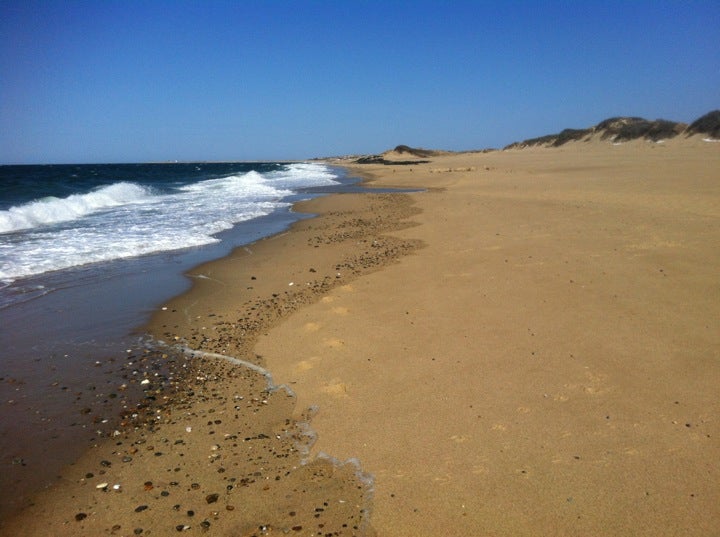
<point x="528" y="346"/>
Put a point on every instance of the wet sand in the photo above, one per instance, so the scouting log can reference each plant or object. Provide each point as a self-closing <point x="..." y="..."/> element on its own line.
<point x="220" y="447"/>
<point x="529" y="346"/>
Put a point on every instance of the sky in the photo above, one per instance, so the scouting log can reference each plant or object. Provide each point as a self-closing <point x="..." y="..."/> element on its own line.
<point x="154" y="80"/>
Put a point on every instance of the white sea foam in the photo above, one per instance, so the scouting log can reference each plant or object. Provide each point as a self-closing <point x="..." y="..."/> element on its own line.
<point x="303" y="175"/>
<point x="127" y="220"/>
<point x="52" y="210"/>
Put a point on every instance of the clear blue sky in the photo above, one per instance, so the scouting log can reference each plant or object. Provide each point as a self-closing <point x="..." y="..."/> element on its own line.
<point x="127" y="81"/>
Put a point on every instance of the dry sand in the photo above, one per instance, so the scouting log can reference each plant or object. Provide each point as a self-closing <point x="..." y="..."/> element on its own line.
<point x="531" y="346"/>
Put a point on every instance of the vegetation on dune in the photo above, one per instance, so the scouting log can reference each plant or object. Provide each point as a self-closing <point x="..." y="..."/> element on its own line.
<point x="708" y="124"/>
<point x="624" y="129"/>
<point x="614" y="129"/>
<point x="423" y="153"/>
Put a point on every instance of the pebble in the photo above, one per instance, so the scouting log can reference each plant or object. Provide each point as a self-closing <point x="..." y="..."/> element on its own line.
<point x="101" y="486"/>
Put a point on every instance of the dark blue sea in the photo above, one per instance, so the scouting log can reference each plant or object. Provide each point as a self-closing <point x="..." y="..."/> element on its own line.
<point x="86" y="253"/>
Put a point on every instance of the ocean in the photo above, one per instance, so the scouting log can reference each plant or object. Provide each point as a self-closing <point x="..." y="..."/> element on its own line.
<point x="87" y="252"/>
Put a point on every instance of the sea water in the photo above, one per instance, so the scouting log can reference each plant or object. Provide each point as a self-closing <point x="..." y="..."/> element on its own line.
<point x="87" y="252"/>
<point x="58" y="217"/>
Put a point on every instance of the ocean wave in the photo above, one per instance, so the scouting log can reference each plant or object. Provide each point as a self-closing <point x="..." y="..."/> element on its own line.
<point x="304" y="175"/>
<point x="52" y="210"/>
<point x="127" y="219"/>
<point x="247" y="186"/>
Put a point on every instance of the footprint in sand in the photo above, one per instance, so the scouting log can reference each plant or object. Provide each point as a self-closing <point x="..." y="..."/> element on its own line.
<point x="339" y="310"/>
<point x="335" y="388"/>
<point x="593" y="385"/>
<point x="306" y="365"/>
<point x="596" y="382"/>
<point x="312" y="327"/>
<point x="327" y="299"/>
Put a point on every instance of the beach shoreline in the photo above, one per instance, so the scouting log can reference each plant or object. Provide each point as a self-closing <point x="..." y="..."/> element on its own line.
<point x="526" y="346"/>
<point x="290" y="429"/>
<point x="73" y="359"/>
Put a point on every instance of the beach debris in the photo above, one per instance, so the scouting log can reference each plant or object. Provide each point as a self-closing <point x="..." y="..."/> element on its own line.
<point x="80" y="516"/>
<point x="102" y="485"/>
